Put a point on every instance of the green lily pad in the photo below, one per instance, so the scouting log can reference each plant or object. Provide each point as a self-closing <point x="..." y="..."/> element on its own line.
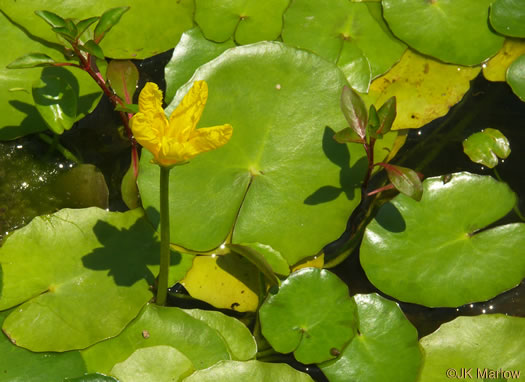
<point x="425" y="89"/>
<point x="516" y="77"/>
<point x="311" y="331"/>
<point x="455" y="31"/>
<point x="508" y="17"/>
<point x="71" y="268"/>
<point x="256" y="371"/>
<point x="337" y="32"/>
<point x="192" y="51"/>
<point x="17" y="364"/>
<point x="238" y="337"/>
<point x="272" y="181"/>
<point x="272" y="257"/>
<point x="130" y="38"/>
<point x="19" y="115"/>
<point x="481" y="344"/>
<point x="385" y="349"/>
<point x="247" y="21"/>
<point x="438" y="251"/>
<point x="486" y="147"/>
<point x="495" y="69"/>
<point x="155" y="326"/>
<point x="154" y="364"/>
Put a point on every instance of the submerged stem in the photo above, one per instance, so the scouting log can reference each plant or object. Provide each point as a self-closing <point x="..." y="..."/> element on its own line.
<point x="162" y="287"/>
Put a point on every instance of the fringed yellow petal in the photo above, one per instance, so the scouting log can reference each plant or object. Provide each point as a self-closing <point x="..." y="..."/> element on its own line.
<point x="209" y="138"/>
<point x="146" y="131"/>
<point x="185" y="117"/>
<point x="150" y="99"/>
<point x="176" y="141"/>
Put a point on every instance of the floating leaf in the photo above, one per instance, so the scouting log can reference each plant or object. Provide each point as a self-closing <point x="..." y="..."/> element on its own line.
<point x="247" y="21"/>
<point x="238" y="337"/>
<point x="310" y="331"/>
<point x="158" y="325"/>
<point x="17" y="364"/>
<point x="486" y="147"/>
<point x="226" y="282"/>
<point x="516" y="77"/>
<point x="495" y="69"/>
<point x="405" y="180"/>
<point x="123" y="76"/>
<point x="443" y="245"/>
<point x="456" y="31"/>
<point x="486" y="344"/>
<point x="336" y="31"/>
<point x="154" y="364"/>
<point x="192" y="51"/>
<point x="71" y="268"/>
<point x="31" y="60"/>
<point x="227" y="371"/>
<point x="279" y="101"/>
<point x="82" y="186"/>
<point x="425" y="89"/>
<point x="130" y="38"/>
<point x="56" y="100"/>
<point x="508" y="17"/>
<point x="386" y="348"/>
<point x="19" y="116"/>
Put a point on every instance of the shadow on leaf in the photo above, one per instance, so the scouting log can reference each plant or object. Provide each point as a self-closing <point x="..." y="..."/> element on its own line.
<point x="390" y="218"/>
<point x="126" y="253"/>
<point x="349" y="177"/>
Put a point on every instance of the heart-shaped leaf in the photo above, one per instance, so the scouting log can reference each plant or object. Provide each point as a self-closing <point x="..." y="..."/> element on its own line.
<point x="192" y="51"/>
<point x="456" y="31"/>
<point x="335" y="32"/>
<point x="508" y="17"/>
<point x="56" y="101"/>
<point x="68" y="269"/>
<point x="247" y="21"/>
<point x="131" y="38"/>
<point x="310" y="331"/>
<point x="17" y="364"/>
<point x="279" y="101"/>
<point x="490" y="346"/>
<point x="438" y="251"/>
<point x="486" y="147"/>
<point x="227" y="371"/>
<point x="385" y="349"/>
<point x="19" y="115"/>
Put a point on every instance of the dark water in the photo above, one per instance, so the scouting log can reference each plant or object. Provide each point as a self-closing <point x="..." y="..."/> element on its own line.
<point x="436" y="149"/>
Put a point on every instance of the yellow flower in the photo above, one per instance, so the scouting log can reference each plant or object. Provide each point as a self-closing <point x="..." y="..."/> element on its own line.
<point x="177" y="140"/>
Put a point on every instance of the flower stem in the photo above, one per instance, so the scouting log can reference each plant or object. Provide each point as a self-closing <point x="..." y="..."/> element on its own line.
<point x="162" y="286"/>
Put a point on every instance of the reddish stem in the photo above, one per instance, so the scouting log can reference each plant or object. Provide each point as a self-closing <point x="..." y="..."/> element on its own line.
<point x="87" y="65"/>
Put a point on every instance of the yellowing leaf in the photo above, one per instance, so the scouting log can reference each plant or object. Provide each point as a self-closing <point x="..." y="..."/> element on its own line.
<point x="495" y="69"/>
<point x="424" y="88"/>
<point x="226" y="282"/>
